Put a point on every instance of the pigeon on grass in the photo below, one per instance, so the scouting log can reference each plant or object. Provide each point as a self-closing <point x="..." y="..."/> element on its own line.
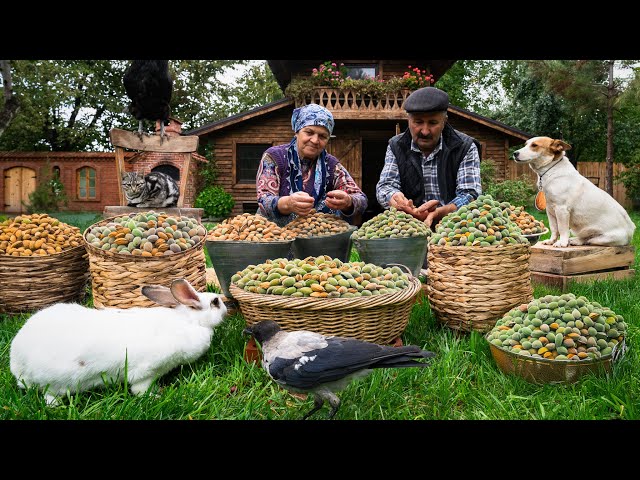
<point x="309" y="362"/>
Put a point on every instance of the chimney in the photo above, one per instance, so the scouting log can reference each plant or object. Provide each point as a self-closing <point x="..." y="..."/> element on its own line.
<point x="174" y="128"/>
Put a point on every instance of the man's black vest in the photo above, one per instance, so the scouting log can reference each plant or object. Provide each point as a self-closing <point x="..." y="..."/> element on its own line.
<point x="455" y="146"/>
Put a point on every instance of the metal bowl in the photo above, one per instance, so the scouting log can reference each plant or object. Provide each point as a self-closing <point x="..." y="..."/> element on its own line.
<point x="336" y="246"/>
<point x="230" y="256"/>
<point x="534" y="237"/>
<point x="543" y="370"/>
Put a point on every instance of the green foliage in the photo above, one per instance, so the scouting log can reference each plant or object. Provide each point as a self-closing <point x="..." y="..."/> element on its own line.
<point x="207" y="173"/>
<point x="48" y="195"/>
<point x="487" y="173"/>
<point x="80" y="101"/>
<point x="630" y="178"/>
<point x="215" y="201"/>
<point x="516" y="192"/>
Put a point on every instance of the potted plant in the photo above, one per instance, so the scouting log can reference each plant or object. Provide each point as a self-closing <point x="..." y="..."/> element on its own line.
<point x="333" y="76"/>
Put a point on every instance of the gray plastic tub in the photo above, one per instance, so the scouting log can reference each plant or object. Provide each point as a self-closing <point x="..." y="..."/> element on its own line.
<point x="336" y="246"/>
<point x="409" y="251"/>
<point x="230" y="256"/>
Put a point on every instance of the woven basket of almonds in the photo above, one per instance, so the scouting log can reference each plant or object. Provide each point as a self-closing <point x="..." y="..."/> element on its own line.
<point x="146" y="248"/>
<point x="42" y="262"/>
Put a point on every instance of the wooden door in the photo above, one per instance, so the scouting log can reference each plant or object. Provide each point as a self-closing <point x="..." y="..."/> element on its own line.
<point x="349" y="151"/>
<point x="19" y="182"/>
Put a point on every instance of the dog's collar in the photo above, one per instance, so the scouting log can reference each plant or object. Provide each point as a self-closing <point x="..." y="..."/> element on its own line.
<point x="545" y="172"/>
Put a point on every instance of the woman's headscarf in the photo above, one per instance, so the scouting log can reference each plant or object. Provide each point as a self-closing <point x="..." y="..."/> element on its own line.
<point x="312" y="114"/>
<point x="316" y="115"/>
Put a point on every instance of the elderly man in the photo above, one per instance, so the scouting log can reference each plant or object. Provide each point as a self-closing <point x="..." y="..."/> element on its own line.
<point x="431" y="169"/>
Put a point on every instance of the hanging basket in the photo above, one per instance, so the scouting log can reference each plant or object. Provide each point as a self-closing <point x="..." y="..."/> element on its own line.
<point x="116" y="279"/>
<point x="30" y="283"/>
<point x="470" y="288"/>
<point x="378" y="319"/>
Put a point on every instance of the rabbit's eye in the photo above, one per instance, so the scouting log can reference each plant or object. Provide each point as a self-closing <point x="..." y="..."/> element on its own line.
<point x="215" y="302"/>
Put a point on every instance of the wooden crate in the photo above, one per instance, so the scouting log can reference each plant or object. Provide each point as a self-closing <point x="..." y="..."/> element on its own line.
<point x="558" y="266"/>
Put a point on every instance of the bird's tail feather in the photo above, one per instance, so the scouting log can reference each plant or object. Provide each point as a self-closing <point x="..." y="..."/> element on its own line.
<point x="405" y="360"/>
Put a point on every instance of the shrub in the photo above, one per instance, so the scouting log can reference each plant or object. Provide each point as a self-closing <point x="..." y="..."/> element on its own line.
<point x="516" y="192"/>
<point x="215" y="201"/>
<point x="48" y="195"/>
<point x="630" y="178"/>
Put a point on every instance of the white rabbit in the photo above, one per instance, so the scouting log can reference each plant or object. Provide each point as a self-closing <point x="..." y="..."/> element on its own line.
<point x="69" y="346"/>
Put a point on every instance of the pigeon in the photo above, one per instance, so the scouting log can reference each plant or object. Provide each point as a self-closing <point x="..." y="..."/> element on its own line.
<point x="302" y="361"/>
<point x="149" y="86"/>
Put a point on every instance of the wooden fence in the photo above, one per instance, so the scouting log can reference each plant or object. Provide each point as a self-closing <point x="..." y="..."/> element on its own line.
<point x="594" y="171"/>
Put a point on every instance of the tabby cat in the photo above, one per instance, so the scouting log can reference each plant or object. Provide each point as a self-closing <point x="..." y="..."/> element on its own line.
<point x="155" y="189"/>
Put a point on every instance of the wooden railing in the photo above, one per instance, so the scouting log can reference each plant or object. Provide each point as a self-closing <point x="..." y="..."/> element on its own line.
<point x="339" y="101"/>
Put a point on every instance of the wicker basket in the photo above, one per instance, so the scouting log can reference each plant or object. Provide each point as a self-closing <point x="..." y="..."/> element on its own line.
<point x="543" y="370"/>
<point x="378" y="319"/>
<point x="116" y="279"/>
<point x="28" y="284"/>
<point x="470" y="288"/>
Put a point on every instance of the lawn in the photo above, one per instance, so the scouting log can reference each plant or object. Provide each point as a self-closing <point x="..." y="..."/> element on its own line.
<point x="462" y="383"/>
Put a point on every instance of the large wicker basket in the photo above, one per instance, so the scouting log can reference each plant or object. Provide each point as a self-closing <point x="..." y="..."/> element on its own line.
<point x="470" y="288"/>
<point x="116" y="279"/>
<point x="379" y="319"/>
<point x="28" y="284"/>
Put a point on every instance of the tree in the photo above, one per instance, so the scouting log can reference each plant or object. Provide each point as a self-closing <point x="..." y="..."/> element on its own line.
<point x="10" y="105"/>
<point x="588" y="86"/>
<point x="71" y="105"/>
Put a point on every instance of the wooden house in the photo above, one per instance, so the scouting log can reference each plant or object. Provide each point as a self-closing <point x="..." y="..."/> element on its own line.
<point x="362" y="130"/>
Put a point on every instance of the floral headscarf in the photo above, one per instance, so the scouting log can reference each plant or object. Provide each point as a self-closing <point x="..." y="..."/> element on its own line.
<point x="312" y="114"/>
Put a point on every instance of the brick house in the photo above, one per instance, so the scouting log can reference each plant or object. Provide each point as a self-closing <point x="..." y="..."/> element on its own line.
<point x="89" y="178"/>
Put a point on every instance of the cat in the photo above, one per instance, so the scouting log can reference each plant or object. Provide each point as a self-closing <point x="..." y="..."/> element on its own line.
<point x="155" y="189"/>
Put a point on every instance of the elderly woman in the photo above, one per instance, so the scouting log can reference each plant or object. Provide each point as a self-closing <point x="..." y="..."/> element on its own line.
<point x="300" y="177"/>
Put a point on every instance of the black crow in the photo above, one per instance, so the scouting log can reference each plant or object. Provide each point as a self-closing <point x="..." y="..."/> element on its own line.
<point x="149" y="85"/>
<point x="304" y="361"/>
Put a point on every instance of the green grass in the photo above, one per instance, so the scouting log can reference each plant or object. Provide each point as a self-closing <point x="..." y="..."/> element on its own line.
<point x="462" y="383"/>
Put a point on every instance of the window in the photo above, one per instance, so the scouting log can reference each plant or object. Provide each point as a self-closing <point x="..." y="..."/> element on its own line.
<point x="55" y="172"/>
<point x="248" y="157"/>
<point x="86" y="183"/>
<point x="358" y="72"/>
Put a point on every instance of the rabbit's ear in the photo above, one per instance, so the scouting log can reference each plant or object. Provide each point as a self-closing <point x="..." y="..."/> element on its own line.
<point x="159" y="294"/>
<point x="185" y="293"/>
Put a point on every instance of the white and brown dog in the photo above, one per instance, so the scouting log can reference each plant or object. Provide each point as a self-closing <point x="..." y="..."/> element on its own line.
<point x="574" y="204"/>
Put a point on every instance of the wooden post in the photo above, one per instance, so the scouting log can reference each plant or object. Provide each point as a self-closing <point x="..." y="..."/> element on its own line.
<point x="183" y="179"/>
<point x="120" y="171"/>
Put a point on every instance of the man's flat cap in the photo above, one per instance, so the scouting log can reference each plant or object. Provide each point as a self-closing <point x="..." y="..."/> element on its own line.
<point x="427" y="99"/>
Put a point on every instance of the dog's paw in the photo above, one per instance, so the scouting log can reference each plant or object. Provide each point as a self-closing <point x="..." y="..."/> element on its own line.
<point x="575" y="241"/>
<point x="548" y="241"/>
<point x="560" y="243"/>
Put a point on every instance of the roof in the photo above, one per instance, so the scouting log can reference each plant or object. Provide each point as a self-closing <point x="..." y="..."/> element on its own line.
<point x="286" y="102"/>
<point x="241" y="117"/>
<point x="504" y="128"/>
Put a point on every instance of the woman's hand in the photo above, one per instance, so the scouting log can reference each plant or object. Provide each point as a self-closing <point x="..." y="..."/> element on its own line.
<point x="300" y="203"/>
<point x="338" y="200"/>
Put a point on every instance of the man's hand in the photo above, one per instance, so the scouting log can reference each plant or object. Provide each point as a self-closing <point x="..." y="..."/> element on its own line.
<point x="423" y="211"/>
<point x="400" y="202"/>
<point x="338" y="200"/>
<point x="436" y="215"/>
